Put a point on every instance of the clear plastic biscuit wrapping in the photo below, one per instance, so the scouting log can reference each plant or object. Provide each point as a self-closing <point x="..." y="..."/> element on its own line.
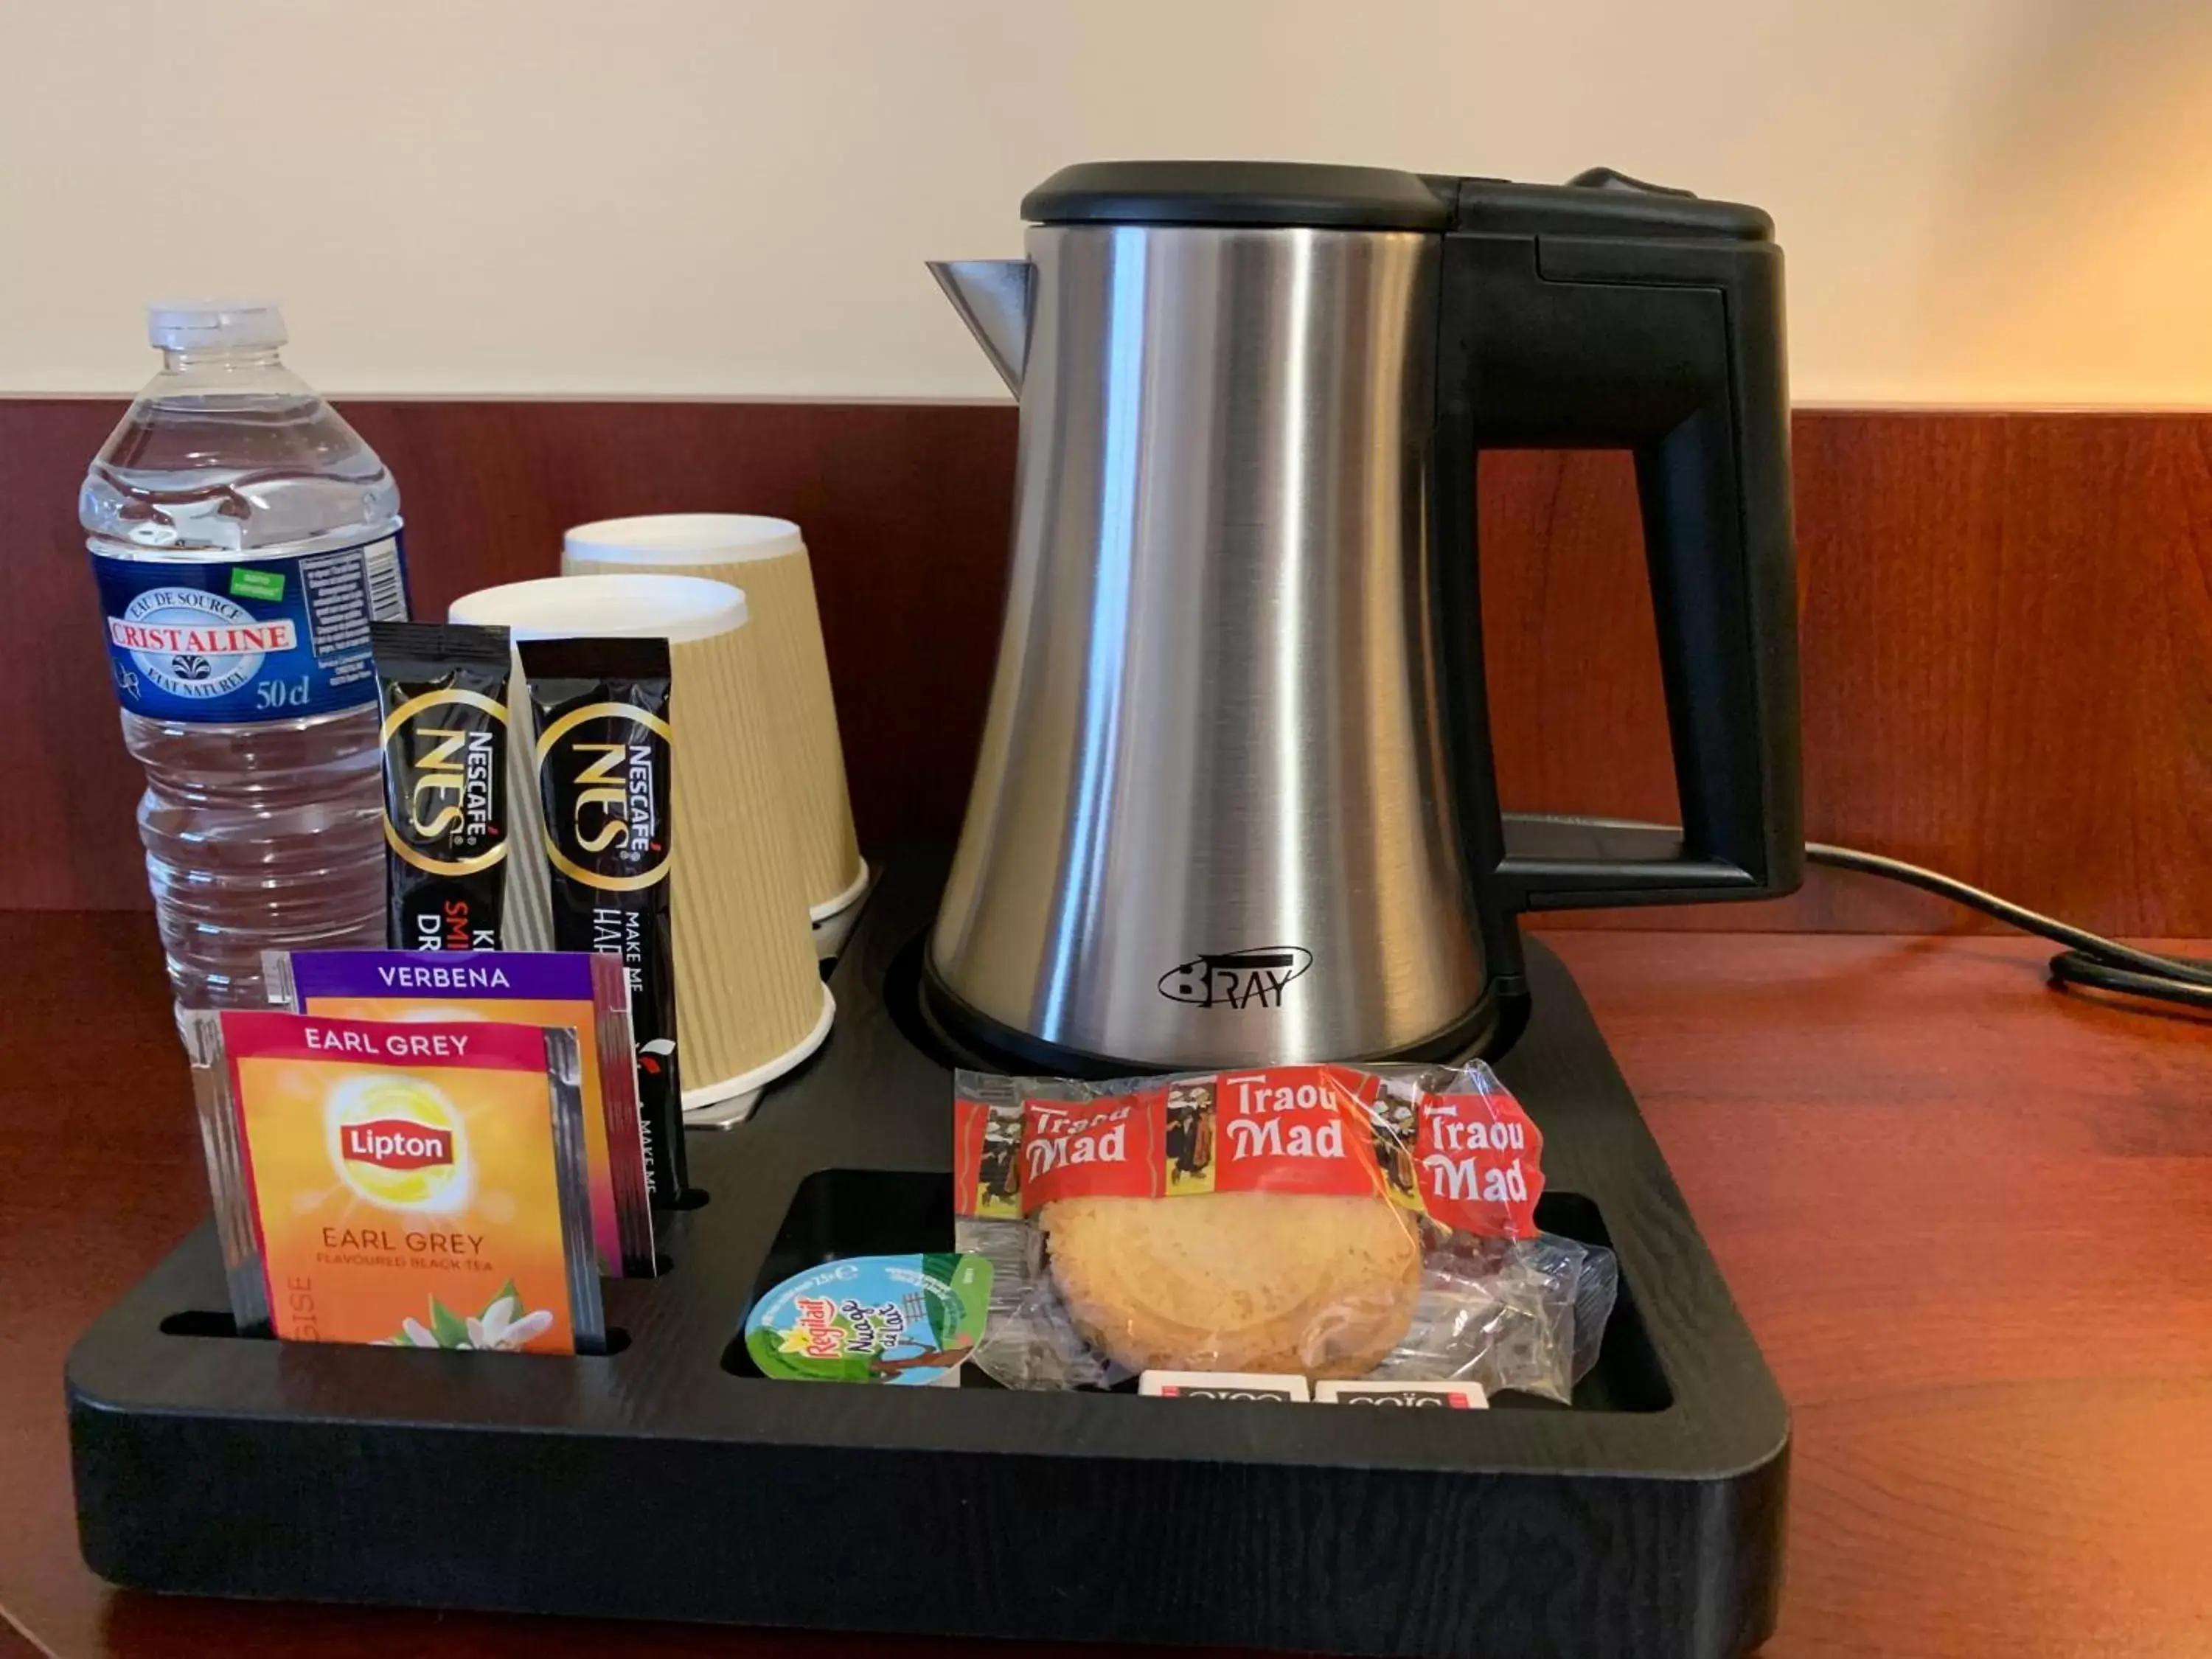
<point x="1330" y="1221"/>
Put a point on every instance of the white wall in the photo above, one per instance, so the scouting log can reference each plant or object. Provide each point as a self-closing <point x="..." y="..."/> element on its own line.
<point x="1983" y="201"/>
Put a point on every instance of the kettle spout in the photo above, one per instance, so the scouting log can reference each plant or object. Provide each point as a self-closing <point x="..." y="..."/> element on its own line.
<point x="993" y="298"/>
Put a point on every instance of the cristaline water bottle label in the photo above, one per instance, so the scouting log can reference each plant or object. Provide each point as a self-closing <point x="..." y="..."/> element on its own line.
<point x="258" y="639"/>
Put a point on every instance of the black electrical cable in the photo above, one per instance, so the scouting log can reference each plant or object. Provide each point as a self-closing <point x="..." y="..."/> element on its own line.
<point x="2090" y="959"/>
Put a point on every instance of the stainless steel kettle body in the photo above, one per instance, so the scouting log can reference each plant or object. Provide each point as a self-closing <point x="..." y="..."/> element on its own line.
<point x="1227" y="809"/>
<point x="1210" y="823"/>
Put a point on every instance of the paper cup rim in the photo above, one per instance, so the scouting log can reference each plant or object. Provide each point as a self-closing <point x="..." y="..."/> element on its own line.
<point x="620" y="605"/>
<point x="709" y="1094"/>
<point x="840" y="902"/>
<point x="673" y="538"/>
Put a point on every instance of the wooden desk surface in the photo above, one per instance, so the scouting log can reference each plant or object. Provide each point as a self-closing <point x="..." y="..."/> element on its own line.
<point x="1970" y="1221"/>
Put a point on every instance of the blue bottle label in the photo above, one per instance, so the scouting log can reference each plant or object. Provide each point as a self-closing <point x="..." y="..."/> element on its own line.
<point x="259" y="639"/>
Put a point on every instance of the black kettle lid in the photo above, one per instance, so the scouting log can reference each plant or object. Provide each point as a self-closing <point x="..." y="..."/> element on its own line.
<point x="1600" y="202"/>
<point x="1237" y="193"/>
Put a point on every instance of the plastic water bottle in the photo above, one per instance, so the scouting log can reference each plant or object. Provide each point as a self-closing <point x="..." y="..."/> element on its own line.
<point x="244" y="537"/>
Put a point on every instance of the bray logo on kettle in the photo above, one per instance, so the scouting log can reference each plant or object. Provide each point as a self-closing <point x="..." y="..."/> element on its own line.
<point x="1237" y="979"/>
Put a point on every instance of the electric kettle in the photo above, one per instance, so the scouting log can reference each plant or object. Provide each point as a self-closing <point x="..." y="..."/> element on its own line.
<point x="1235" y="801"/>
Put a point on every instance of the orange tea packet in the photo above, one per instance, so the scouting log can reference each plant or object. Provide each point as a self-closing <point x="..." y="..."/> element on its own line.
<point x="406" y="1183"/>
<point x="556" y="988"/>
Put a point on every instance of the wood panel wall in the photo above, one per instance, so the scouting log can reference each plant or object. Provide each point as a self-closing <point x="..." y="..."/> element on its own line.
<point x="2007" y="627"/>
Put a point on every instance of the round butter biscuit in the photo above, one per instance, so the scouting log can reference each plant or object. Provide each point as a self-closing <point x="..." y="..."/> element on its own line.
<point x="1237" y="1281"/>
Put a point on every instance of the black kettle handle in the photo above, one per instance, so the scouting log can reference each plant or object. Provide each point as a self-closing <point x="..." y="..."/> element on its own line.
<point x="1608" y="315"/>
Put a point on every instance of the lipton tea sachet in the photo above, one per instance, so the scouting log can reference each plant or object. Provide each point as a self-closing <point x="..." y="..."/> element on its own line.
<point x="443" y="689"/>
<point x="408" y="1183"/>
<point x="586" y="993"/>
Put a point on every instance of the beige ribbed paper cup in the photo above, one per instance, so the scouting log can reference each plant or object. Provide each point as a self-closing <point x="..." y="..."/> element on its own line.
<point x="750" y="1000"/>
<point x="767" y="558"/>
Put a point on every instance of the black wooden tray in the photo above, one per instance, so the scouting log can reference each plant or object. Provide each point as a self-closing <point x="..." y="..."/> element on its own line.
<point x="664" y="1481"/>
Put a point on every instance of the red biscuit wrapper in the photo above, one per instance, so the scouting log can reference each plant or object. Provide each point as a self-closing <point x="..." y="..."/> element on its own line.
<point x="1464" y="1284"/>
<point x="1465" y="1155"/>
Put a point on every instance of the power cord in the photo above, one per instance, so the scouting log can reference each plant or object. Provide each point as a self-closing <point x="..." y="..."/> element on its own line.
<point x="2089" y="959"/>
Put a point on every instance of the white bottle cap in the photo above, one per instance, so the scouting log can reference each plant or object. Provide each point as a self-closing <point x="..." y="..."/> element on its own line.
<point x="213" y="325"/>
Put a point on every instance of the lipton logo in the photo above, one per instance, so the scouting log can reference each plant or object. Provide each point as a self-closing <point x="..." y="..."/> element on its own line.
<point x="1237" y="979"/>
<point x="395" y="1143"/>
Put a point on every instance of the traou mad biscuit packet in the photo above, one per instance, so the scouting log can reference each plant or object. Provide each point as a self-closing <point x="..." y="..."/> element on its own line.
<point x="1317" y="1221"/>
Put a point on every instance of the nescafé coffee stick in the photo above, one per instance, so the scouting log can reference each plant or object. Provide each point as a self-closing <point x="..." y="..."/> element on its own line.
<point x="443" y="689"/>
<point x="604" y="752"/>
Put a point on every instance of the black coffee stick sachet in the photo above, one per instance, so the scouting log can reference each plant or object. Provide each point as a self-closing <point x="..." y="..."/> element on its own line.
<point x="442" y="690"/>
<point x="604" y="752"/>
